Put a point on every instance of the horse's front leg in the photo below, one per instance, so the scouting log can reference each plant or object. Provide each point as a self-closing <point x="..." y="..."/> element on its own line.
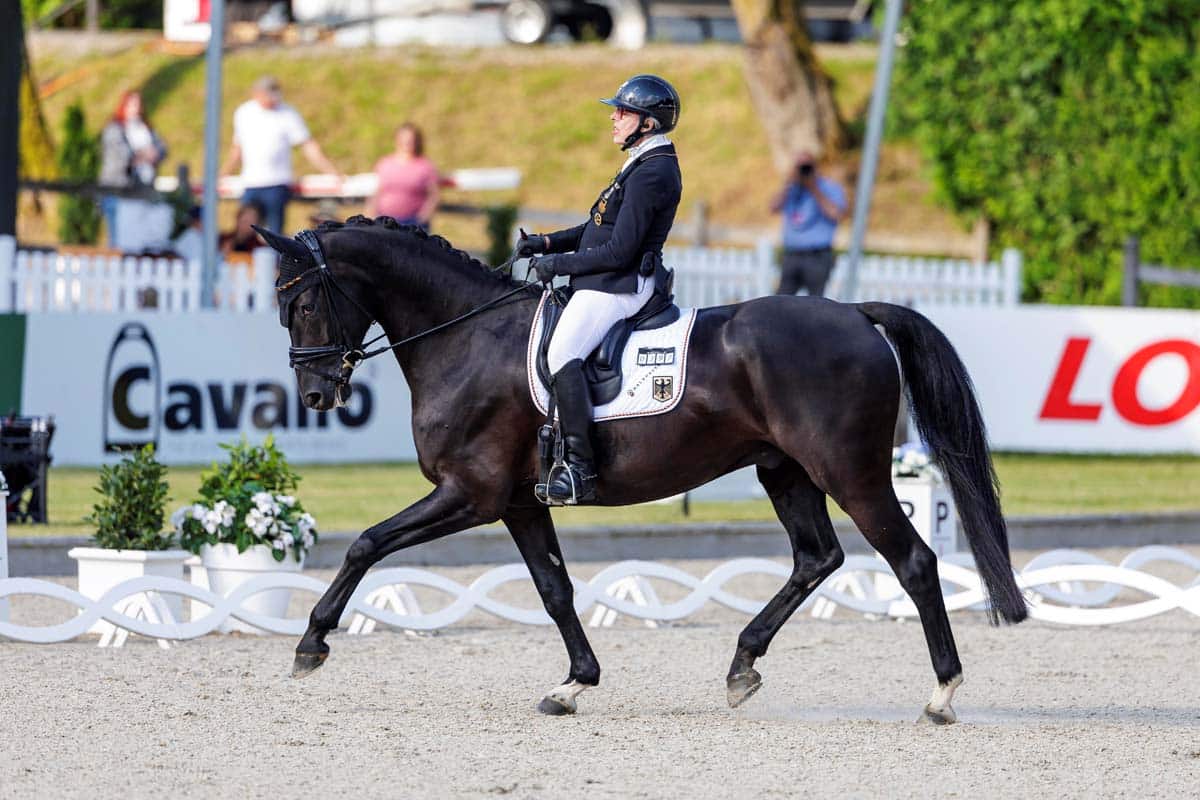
<point x="444" y="511"/>
<point x="533" y="531"/>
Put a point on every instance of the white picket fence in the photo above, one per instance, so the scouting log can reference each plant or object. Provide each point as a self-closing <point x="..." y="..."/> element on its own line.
<point x="32" y="280"/>
<point x="710" y="276"/>
<point x="37" y="280"/>
<point x="717" y="276"/>
<point x="924" y="282"/>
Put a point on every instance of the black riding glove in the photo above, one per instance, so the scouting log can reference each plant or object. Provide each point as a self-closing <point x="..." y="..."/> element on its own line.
<point x="545" y="267"/>
<point x="530" y="246"/>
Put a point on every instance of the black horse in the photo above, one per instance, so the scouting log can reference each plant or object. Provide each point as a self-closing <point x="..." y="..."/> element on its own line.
<point x="805" y="389"/>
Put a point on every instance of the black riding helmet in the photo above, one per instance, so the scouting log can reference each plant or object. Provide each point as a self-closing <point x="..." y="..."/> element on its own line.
<point x="648" y="96"/>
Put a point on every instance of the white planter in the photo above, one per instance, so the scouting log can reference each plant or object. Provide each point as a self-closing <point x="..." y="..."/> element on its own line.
<point x="226" y="569"/>
<point x="100" y="569"/>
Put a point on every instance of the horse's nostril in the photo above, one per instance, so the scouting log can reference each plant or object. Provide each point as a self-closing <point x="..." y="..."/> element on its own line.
<point x="312" y="399"/>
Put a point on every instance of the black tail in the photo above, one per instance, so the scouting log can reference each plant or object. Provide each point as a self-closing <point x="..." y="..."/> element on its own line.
<point x="942" y="401"/>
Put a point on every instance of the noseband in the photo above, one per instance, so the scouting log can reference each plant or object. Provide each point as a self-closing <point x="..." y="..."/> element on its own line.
<point x="351" y="355"/>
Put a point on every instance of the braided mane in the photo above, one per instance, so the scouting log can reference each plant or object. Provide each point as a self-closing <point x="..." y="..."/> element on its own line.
<point x="418" y="234"/>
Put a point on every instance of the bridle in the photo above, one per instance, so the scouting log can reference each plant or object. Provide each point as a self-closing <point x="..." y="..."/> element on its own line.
<point x="302" y="357"/>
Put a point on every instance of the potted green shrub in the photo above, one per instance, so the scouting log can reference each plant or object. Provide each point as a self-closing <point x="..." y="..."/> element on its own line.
<point x="247" y="521"/>
<point x="129" y="538"/>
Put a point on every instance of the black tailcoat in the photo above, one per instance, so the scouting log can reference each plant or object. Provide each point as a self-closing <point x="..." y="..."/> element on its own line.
<point x="632" y="217"/>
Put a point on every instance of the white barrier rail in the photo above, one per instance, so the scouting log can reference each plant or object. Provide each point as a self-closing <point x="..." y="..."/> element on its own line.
<point x="718" y="276"/>
<point x="36" y="280"/>
<point x="365" y="184"/>
<point x="704" y="276"/>
<point x="1054" y="583"/>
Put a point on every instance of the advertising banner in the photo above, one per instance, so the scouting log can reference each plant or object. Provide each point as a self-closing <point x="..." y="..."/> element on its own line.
<point x="1050" y="379"/>
<point x="1073" y="379"/>
<point x="190" y="382"/>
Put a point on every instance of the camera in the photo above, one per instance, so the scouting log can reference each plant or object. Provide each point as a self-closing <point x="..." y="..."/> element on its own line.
<point x="806" y="170"/>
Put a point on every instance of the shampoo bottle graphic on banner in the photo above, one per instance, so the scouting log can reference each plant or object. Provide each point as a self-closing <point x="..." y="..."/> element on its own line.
<point x="132" y="391"/>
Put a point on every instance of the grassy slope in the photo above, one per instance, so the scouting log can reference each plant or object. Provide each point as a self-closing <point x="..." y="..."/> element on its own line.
<point x="353" y="497"/>
<point x="531" y="108"/>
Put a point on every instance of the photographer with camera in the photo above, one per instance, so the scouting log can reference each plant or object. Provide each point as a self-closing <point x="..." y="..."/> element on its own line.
<point x="812" y="206"/>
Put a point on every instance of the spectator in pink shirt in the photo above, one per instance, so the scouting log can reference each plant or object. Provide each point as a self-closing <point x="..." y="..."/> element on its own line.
<point x="408" y="181"/>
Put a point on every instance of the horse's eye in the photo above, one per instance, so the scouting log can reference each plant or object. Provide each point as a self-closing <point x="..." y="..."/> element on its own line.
<point x="307" y="309"/>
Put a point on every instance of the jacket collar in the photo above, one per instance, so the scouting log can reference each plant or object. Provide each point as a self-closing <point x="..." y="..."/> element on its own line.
<point x="645" y="146"/>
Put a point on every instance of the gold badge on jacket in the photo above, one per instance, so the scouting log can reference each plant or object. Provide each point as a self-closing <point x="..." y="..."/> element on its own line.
<point x="602" y="203"/>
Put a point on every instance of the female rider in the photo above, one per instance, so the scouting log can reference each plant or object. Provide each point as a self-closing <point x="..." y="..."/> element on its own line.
<point x="630" y="219"/>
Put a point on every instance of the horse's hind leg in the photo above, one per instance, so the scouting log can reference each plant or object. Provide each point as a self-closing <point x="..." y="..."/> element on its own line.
<point x="533" y="531"/>
<point x="883" y="524"/>
<point x="816" y="554"/>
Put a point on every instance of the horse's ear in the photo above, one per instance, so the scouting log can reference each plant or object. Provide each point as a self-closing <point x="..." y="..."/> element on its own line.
<point x="283" y="245"/>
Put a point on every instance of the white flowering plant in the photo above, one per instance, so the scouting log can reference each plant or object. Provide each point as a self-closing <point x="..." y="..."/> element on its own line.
<point x="248" y="500"/>
<point x="912" y="460"/>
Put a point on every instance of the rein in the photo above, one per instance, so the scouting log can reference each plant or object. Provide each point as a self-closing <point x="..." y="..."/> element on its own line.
<point x="301" y="357"/>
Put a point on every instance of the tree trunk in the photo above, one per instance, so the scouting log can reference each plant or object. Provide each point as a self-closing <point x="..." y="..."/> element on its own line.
<point x="791" y="93"/>
<point x="12" y="45"/>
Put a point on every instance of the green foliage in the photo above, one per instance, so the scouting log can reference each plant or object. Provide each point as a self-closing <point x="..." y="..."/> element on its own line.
<point x="246" y="501"/>
<point x="1069" y="124"/>
<point x="500" y="221"/>
<point x="35" y="10"/>
<point x="78" y="159"/>
<point x="181" y="200"/>
<point x="114" y="14"/>
<point x="35" y="153"/>
<point x="121" y="14"/>
<point x="129" y="515"/>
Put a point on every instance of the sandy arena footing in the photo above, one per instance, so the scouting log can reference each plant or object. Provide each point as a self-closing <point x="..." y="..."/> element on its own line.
<point x="1045" y="711"/>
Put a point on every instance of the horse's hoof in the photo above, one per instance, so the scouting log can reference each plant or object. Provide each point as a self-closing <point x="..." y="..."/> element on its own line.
<point x="937" y="716"/>
<point x="556" y="707"/>
<point x="308" y="663"/>
<point x="741" y="687"/>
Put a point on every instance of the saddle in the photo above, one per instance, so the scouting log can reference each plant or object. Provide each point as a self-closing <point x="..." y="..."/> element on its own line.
<point x="603" y="367"/>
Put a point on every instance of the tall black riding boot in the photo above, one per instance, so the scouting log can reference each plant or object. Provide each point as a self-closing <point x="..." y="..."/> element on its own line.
<point x="577" y="484"/>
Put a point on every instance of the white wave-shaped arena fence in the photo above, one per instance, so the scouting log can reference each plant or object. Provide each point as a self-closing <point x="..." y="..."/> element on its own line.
<point x="1066" y="587"/>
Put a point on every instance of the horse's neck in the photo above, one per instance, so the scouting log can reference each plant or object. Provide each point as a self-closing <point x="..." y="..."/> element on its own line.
<point x="413" y="307"/>
<point x="417" y="299"/>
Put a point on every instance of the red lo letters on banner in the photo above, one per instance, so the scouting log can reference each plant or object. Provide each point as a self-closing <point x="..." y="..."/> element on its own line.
<point x="1059" y="405"/>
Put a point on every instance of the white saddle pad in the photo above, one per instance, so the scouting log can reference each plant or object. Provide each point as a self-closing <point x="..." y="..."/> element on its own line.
<point x="653" y="370"/>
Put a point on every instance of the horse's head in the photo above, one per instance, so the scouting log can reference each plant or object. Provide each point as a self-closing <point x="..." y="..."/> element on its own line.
<point x="326" y="320"/>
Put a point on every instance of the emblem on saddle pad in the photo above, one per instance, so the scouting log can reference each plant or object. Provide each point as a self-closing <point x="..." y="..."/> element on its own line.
<point x="655" y="356"/>
<point x="663" y="388"/>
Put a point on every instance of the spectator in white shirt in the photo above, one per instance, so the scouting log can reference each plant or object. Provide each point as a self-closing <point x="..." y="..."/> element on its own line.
<point x="265" y="129"/>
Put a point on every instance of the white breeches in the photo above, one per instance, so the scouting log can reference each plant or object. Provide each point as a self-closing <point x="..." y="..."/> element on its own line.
<point x="587" y="317"/>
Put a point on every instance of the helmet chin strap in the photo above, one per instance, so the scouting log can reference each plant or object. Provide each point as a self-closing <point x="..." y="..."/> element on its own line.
<point x="638" y="133"/>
